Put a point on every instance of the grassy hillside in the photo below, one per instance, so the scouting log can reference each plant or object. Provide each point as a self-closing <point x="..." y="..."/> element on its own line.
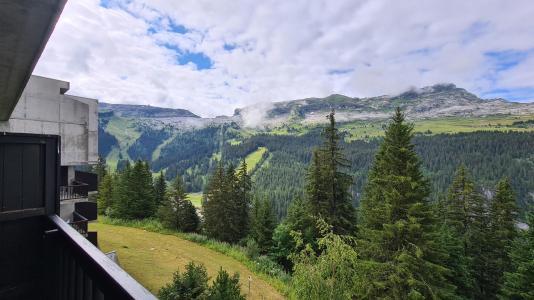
<point x="254" y="158"/>
<point x="196" y="199"/>
<point x="151" y="258"/>
<point x="126" y="133"/>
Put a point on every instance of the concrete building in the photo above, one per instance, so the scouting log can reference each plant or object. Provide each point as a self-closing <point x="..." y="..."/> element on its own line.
<point x="44" y="107"/>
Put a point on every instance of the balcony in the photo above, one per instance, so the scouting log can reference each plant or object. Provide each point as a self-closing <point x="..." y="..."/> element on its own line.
<point x="76" y="190"/>
<point x="76" y="269"/>
<point x="41" y="255"/>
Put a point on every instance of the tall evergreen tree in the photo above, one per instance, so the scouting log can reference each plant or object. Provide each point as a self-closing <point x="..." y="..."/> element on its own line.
<point x="160" y="189"/>
<point x="263" y="223"/>
<point x="518" y="282"/>
<point x="105" y="194"/>
<point x="100" y="169"/>
<point x="328" y="186"/>
<point x="213" y="205"/>
<point x="397" y="235"/>
<point x="465" y="235"/>
<point x="503" y="216"/>
<point x="177" y="211"/>
<point x="243" y="186"/>
<point x="135" y="193"/>
<point x="226" y="204"/>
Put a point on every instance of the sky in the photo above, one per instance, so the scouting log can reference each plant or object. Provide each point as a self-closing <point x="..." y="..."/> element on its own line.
<point x="211" y="57"/>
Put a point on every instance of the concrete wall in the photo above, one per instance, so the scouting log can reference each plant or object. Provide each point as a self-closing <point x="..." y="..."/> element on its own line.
<point x="44" y="108"/>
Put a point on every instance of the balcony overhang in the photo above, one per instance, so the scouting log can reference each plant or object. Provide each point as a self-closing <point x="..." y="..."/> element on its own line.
<point x="25" y="27"/>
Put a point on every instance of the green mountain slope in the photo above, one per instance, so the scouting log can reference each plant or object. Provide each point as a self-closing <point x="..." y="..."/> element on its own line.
<point x="447" y="119"/>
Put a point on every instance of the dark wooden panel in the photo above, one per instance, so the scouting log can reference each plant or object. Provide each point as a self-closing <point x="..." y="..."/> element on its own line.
<point x="21" y="258"/>
<point x="1" y="177"/>
<point x="13" y="176"/>
<point x="32" y="180"/>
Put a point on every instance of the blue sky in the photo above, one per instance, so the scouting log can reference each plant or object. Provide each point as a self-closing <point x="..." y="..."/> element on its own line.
<point x="213" y="56"/>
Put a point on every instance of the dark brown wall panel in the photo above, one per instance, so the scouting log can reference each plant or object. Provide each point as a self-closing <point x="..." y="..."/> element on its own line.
<point x="12" y="176"/>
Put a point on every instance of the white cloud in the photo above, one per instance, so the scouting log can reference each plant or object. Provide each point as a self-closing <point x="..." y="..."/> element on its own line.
<point x="284" y="49"/>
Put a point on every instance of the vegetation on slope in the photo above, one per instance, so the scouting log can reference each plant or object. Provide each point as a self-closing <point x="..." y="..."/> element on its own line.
<point x="133" y="241"/>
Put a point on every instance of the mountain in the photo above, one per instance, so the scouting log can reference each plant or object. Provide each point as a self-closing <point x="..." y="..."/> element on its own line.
<point x="440" y="100"/>
<point x="144" y="111"/>
<point x="492" y="137"/>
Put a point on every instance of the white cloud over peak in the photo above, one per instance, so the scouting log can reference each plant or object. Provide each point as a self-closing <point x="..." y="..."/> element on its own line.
<point x="213" y="56"/>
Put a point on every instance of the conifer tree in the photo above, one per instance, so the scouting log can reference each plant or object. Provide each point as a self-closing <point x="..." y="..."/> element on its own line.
<point x="225" y="287"/>
<point x="122" y="194"/>
<point x="100" y="169"/>
<point x="328" y="187"/>
<point x="105" y="194"/>
<point x="243" y="186"/>
<point x="398" y="234"/>
<point x="519" y="280"/>
<point x="135" y="193"/>
<point x="177" y="211"/>
<point x="465" y="234"/>
<point x="213" y="205"/>
<point x="503" y="215"/>
<point x="192" y="284"/>
<point x="160" y="189"/>
<point x="263" y="223"/>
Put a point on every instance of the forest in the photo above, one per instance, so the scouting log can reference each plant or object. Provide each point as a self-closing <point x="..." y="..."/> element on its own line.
<point x="417" y="230"/>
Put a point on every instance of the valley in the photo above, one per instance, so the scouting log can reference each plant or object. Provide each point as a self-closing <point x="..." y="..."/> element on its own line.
<point x="277" y="147"/>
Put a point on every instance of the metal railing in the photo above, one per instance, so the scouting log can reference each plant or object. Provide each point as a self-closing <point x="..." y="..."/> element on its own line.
<point x="79" y="223"/>
<point x="73" y="191"/>
<point x="79" y="270"/>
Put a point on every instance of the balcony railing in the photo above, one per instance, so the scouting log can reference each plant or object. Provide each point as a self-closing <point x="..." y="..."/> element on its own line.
<point x="79" y="223"/>
<point x="73" y="191"/>
<point x="78" y="270"/>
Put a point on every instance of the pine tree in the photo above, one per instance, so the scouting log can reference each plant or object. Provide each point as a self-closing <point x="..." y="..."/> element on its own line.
<point x="213" y="206"/>
<point x="100" y="169"/>
<point x="192" y="284"/>
<point x="328" y="187"/>
<point x="135" y="193"/>
<point x="122" y="194"/>
<point x="177" y="211"/>
<point x="263" y="223"/>
<point x="503" y="215"/>
<point x="519" y="280"/>
<point x="105" y="194"/>
<point x="398" y="239"/>
<point x="464" y="234"/>
<point x="225" y="287"/>
<point x="160" y="189"/>
<point x="243" y="186"/>
<point x="340" y="214"/>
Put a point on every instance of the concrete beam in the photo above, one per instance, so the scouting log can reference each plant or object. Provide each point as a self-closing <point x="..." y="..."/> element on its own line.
<point x="25" y="27"/>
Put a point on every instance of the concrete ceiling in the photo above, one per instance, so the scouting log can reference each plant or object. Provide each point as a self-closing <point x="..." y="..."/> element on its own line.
<point x="25" y="26"/>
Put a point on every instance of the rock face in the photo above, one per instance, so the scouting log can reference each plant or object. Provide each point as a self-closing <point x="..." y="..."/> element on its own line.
<point x="144" y="111"/>
<point x="440" y="100"/>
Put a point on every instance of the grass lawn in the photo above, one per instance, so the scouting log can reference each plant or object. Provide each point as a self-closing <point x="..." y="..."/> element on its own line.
<point x="152" y="258"/>
<point x="254" y="158"/>
<point x="196" y="199"/>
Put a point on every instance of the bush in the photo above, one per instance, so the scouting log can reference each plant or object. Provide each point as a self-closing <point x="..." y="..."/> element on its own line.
<point x="252" y="249"/>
